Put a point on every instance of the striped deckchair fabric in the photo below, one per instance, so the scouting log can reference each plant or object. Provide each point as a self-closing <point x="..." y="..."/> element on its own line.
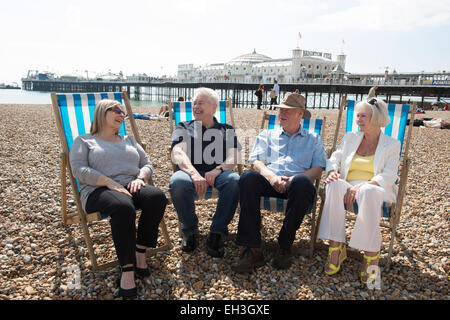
<point x="183" y="111"/>
<point x="74" y="113"/>
<point x="310" y="125"/>
<point x="398" y="115"/>
<point x="77" y="112"/>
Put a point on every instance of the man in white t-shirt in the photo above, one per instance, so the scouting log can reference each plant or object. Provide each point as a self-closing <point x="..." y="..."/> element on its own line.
<point x="276" y="89"/>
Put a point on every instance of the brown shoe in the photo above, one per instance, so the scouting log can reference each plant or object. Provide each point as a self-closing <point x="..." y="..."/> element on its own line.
<point x="251" y="258"/>
<point x="283" y="259"/>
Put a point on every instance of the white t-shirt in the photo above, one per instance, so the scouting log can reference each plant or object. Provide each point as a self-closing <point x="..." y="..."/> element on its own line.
<point x="276" y="87"/>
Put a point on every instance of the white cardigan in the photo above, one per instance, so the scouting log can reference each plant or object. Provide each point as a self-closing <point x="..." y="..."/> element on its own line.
<point x="385" y="163"/>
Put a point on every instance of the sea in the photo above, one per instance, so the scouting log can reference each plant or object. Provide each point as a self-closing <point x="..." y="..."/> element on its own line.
<point x="18" y="96"/>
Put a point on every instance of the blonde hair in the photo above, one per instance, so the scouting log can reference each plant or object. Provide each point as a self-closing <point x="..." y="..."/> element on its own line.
<point x="100" y="111"/>
<point x="379" y="110"/>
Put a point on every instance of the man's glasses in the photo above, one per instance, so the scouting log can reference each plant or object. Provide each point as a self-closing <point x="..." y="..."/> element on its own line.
<point x="117" y="110"/>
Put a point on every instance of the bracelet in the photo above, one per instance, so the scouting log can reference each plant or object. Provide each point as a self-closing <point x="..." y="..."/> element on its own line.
<point x="140" y="178"/>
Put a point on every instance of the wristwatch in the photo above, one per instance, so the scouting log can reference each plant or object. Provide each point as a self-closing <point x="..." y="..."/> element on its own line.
<point x="140" y="178"/>
<point x="220" y="168"/>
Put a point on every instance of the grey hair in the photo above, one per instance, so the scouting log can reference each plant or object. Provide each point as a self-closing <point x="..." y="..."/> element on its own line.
<point x="100" y="111"/>
<point x="379" y="111"/>
<point x="212" y="96"/>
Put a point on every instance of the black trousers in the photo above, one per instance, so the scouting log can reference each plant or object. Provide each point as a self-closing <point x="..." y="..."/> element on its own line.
<point x="258" y="106"/>
<point x="122" y="211"/>
<point x="273" y="101"/>
<point x="252" y="186"/>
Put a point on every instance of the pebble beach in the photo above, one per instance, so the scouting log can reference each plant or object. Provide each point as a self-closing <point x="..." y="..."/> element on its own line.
<point x="39" y="255"/>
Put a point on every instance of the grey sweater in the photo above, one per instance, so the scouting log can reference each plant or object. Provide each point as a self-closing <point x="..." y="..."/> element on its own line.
<point x="121" y="161"/>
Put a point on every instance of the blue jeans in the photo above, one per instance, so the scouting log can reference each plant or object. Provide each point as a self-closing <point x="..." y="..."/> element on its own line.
<point x="183" y="194"/>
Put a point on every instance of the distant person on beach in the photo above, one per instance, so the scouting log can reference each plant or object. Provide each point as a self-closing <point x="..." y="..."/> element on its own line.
<point x="372" y="92"/>
<point x="260" y="94"/>
<point x="362" y="171"/>
<point x="285" y="162"/>
<point x="205" y="152"/>
<point x="113" y="171"/>
<point x="274" y="93"/>
<point x="165" y="109"/>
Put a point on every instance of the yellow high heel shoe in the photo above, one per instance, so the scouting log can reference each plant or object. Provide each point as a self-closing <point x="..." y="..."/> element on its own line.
<point x="341" y="258"/>
<point x="371" y="277"/>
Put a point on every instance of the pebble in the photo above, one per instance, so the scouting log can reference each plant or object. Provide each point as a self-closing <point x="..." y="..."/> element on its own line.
<point x="26" y="259"/>
<point x="30" y="290"/>
<point x="37" y="250"/>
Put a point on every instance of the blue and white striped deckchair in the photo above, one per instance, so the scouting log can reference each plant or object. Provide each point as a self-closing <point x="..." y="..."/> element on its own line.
<point x="74" y="113"/>
<point x="77" y="112"/>
<point x="398" y="115"/>
<point x="183" y="111"/>
<point x="310" y="125"/>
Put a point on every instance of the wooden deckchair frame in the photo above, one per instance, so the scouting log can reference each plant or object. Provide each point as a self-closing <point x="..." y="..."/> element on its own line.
<point x="80" y="216"/>
<point x="396" y="208"/>
<point x="307" y="115"/>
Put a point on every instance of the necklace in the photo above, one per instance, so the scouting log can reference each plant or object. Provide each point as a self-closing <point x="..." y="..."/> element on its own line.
<point x="367" y="148"/>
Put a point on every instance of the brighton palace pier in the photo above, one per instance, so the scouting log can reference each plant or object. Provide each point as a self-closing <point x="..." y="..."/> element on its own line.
<point x="258" y="68"/>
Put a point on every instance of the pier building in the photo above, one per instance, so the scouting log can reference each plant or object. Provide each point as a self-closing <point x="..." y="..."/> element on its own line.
<point x="255" y="67"/>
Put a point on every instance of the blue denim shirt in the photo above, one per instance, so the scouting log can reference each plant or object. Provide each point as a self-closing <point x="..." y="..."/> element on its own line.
<point x="289" y="155"/>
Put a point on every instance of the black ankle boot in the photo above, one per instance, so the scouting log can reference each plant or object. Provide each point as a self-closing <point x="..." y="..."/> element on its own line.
<point x="189" y="243"/>
<point x="142" y="272"/>
<point x="214" y="245"/>
<point x="127" y="293"/>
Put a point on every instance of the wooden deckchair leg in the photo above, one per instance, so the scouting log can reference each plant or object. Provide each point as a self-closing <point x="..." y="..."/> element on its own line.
<point x="63" y="188"/>
<point x="313" y="231"/>
<point x="83" y="223"/>
<point x="317" y="226"/>
<point x="398" y="209"/>
<point x="88" y="240"/>
<point x="165" y="233"/>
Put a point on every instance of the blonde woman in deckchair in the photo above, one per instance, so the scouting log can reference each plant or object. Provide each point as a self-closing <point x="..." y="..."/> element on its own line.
<point x="363" y="169"/>
<point x="112" y="171"/>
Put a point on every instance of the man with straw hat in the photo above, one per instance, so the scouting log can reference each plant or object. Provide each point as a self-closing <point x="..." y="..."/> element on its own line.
<point x="285" y="162"/>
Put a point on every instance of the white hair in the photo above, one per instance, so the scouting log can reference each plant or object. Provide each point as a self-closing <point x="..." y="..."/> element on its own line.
<point x="378" y="109"/>
<point x="212" y="96"/>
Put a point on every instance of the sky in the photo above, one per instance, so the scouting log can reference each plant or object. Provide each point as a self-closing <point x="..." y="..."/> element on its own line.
<point x="154" y="37"/>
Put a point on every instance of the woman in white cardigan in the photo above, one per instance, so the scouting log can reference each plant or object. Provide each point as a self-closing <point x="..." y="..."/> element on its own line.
<point x="363" y="169"/>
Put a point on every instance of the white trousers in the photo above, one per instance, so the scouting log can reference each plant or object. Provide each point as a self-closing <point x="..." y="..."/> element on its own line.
<point x="366" y="235"/>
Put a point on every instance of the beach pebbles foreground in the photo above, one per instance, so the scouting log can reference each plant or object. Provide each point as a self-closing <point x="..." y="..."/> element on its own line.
<point x="41" y="258"/>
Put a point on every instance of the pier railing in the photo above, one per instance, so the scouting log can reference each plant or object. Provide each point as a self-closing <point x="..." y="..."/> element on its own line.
<point x="318" y="94"/>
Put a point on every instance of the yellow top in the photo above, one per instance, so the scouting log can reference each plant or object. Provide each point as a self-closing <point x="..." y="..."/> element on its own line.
<point x="361" y="168"/>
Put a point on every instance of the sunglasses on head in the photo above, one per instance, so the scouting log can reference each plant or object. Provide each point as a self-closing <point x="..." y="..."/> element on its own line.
<point x="373" y="102"/>
<point x="117" y="110"/>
